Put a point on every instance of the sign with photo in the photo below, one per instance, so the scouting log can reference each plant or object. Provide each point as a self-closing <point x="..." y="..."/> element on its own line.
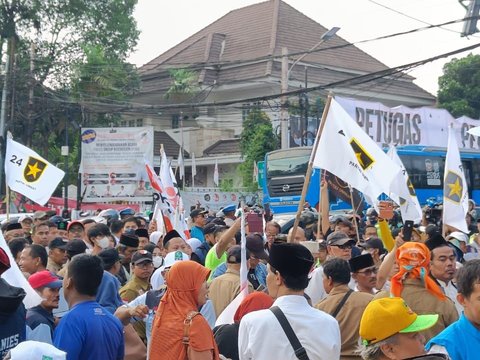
<point x="113" y="164"/>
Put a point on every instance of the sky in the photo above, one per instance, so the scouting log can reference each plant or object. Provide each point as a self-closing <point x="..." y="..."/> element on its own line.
<point x="164" y="23"/>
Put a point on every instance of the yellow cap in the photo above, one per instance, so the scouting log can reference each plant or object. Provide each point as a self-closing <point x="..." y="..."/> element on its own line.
<point x="385" y="317"/>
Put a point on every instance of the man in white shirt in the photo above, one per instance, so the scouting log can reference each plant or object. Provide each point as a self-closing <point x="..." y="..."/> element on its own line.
<point x="260" y="332"/>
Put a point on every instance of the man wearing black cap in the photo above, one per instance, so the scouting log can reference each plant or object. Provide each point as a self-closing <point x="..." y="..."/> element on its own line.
<point x="257" y="274"/>
<point x="13" y="230"/>
<point x="344" y="304"/>
<point x="201" y="252"/>
<point x="364" y="272"/>
<point x="74" y="247"/>
<point x="142" y="269"/>
<point x="226" y="287"/>
<point x="57" y="255"/>
<point x="127" y="246"/>
<point x="108" y="293"/>
<point x="261" y="332"/>
<point x="198" y="219"/>
<point x="143" y="238"/>
<point x="443" y="267"/>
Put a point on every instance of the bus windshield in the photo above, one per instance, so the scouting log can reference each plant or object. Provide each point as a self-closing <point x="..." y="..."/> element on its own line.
<point x="287" y="163"/>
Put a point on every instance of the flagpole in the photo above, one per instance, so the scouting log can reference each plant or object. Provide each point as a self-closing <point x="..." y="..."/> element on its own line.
<point x="355" y="223"/>
<point x="7" y="201"/>
<point x="319" y="220"/>
<point x="309" y="169"/>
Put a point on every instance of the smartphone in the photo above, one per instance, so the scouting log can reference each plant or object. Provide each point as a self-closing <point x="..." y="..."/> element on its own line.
<point x="407" y="230"/>
<point x="255" y="222"/>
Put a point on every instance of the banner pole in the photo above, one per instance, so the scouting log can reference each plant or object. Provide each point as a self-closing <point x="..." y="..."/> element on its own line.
<point x="355" y="223"/>
<point x="319" y="220"/>
<point x="7" y="201"/>
<point x="310" y="167"/>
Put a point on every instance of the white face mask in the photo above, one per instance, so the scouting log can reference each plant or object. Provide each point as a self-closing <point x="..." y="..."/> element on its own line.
<point x="157" y="261"/>
<point x="103" y="242"/>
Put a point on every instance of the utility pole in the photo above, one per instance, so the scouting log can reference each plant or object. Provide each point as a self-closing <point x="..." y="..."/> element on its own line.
<point x="30" y="97"/>
<point x="470" y="26"/>
<point x="284" y="111"/>
<point x="284" y="118"/>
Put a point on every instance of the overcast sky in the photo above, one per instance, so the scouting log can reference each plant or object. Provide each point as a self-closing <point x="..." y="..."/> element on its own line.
<point x="165" y="23"/>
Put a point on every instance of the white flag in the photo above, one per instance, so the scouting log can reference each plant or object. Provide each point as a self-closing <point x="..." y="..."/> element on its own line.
<point x="194" y="166"/>
<point x="403" y="192"/>
<point x="29" y="174"/>
<point x="215" y="174"/>
<point x="348" y="152"/>
<point x="455" y="194"/>
<point x="180" y="163"/>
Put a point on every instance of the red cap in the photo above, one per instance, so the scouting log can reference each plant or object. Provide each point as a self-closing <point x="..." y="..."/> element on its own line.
<point x="75" y="223"/>
<point x="44" y="279"/>
<point x="4" y="261"/>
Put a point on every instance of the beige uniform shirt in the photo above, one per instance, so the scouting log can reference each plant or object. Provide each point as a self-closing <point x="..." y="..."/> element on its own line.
<point x="224" y="289"/>
<point x="133" y="288"/>
<point x="348" y="318"/>
<point x="53" y="266"/>
<point x="421" y="301"/>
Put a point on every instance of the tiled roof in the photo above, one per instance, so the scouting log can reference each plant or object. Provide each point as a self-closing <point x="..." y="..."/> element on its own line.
<point x="261" y="30"/>
<point x="170" y="146"/>
<point x="222" y="147"/>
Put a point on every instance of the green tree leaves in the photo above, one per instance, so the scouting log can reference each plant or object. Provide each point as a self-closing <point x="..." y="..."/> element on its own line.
<point x="256" y="140"/>
<point x="459" y="87"/>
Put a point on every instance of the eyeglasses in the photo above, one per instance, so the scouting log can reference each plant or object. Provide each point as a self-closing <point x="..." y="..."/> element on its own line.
<point x="346" y="246"/>
<point x="144" y="265"/>
<point x="368" y="272"/>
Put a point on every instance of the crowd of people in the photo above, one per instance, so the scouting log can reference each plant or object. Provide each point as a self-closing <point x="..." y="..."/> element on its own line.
<point x="348" y="286"/>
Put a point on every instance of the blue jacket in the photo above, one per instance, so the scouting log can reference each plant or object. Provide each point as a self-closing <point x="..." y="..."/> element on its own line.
<point x="461" y="339"/>
<point x="107" y="294"/>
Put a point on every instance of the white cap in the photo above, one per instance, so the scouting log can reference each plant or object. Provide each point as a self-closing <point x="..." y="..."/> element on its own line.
<point x="24" y="217"/>
<point x="460" y="236"/>
<point x="174" y="257"/>
<point x="35" y="350"/>
<point x="155" y="236"/>
<point x="194" y="243"/>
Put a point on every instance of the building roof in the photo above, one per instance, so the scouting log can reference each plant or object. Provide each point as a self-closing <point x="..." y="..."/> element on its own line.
<point x="170" y="146"/>
<point x="222" y="147"/>
<point x="259" y="31"/>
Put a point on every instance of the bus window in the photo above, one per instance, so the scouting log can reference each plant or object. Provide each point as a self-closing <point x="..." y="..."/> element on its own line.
<point x="476" y="173"/>
<point x="426" y="172"/>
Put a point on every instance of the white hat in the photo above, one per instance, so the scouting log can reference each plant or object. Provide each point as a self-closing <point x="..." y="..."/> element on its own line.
<point x="459" y="236"/>
<point x="35" y="350"/>
<point x="155" y="236"/>
<point x="174" y="257"/>
<point x="194" y="243"/>
<point x="24" y="217"/>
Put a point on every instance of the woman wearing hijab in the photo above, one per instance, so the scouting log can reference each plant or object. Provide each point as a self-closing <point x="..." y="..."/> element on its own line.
<point x="179" y="331"/>
<point x="226" y="336"/>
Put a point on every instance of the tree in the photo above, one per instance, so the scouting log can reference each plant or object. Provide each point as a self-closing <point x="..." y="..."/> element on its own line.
<point x="459" y="87"/>
<point x="58" y="38"/>
<point x="256" y="140"/>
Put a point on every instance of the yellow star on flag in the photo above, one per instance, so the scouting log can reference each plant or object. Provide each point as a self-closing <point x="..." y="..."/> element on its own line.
<point x="33" y="170"/>
<point x="455" y="188"/>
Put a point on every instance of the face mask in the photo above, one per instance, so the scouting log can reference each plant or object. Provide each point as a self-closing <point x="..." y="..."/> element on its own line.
<point x="157" y="261"/>
<point x="104" y="242"/>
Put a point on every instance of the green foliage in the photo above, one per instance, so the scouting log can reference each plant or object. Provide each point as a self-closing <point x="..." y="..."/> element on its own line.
<point x="79" y="58"/>
<point x="183" y="84"/>
<point x="459" y="87"/>
<point x="256" y="140"/>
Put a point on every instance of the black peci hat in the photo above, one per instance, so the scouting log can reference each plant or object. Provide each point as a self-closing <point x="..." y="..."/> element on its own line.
<point x="291" y="259"/>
